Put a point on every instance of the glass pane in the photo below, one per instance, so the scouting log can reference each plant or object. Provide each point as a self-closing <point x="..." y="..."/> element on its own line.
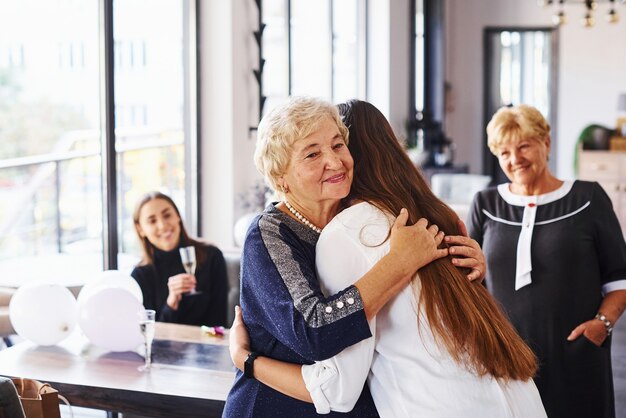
<point x="524" y="68"/>
<point x="50" y="187"/>
<point x="150" y="106"/>
<point x="275" y="52"/>
<point x="419" y="55"/>
<point x="346" y="50"/>
<point x="311" y="48"/>
<point x="327" y="49"/>
<point x="519" y="69"/>
<point x="539" y="71"/>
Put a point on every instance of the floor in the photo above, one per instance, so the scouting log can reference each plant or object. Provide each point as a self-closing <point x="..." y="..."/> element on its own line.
<point x="619" y="377"/>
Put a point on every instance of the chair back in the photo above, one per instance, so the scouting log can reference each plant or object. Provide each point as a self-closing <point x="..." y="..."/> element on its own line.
<point x="233" y="266"/>
<point x="458" y="188"/>
<point x="10" y="405"/>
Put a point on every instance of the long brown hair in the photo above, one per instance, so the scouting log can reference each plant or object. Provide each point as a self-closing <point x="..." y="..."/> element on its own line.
<point x="462" y="315"/>
<point x="146" y="246"/>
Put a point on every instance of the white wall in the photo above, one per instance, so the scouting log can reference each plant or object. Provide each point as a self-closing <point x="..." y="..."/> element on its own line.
<point x="229" y="106"/>
<point x="592" y="72"/>
<point x="388" y="60"/>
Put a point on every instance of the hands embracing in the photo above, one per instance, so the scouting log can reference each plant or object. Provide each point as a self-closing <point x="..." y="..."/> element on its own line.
<point x="417" y="245"/>
<point x="469" y="252"/>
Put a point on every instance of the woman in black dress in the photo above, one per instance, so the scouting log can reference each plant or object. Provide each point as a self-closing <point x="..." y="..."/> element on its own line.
<point x="165" y="286"/>
<point x="556" y="261"/>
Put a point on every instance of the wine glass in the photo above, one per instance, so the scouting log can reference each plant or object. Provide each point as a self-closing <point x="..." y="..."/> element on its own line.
<point x="146" y="326"/>
<point x="188" y="257"/>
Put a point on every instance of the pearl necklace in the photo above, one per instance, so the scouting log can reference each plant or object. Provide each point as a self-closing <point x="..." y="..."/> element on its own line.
<point x="302" y="219"/>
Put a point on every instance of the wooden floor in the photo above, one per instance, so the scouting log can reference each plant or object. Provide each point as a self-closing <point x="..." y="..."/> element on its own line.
<point x="619" y="377"/>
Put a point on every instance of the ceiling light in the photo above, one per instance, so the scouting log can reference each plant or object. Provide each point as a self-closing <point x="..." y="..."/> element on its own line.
<point x="560" y="16"/>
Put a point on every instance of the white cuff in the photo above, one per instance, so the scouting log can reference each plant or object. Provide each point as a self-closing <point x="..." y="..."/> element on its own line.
<point x="315" y="375"/>
<point x="613" y="286"/>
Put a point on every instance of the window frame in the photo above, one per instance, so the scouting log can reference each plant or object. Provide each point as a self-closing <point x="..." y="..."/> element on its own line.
<point x="433" y="78"/>
<point x="362" y="30"/>
<point x="191" y="127"/>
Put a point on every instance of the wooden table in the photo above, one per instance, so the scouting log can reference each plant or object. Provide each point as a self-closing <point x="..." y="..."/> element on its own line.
<point x="192" y="375"/>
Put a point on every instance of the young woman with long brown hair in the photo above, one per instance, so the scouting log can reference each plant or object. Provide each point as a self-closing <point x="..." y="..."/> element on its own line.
<point x="442" y="347"/>
<point x="160" y="273"/>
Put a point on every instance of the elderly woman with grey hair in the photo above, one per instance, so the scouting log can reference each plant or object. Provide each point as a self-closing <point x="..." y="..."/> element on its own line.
<point x="302" y="152"/>
<point x="556" y="261"/>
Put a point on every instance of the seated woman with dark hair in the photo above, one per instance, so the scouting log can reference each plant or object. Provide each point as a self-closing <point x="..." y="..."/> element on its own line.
<point x="165" y="286"/>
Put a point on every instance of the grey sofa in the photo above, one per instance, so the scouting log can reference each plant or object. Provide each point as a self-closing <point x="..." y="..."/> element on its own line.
<point x="10" y="405"/>
<point x="233" y="259"/>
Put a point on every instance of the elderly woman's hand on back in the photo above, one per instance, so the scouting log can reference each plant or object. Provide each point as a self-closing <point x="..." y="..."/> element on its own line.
<point x="472" y="256"/>
<point x="413" y="247"/>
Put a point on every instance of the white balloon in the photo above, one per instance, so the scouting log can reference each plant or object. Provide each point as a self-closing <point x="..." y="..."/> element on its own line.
<point x="241" y="228"/>
<point x="43" y="313"/>
<point x="109" y="319"/>
<point x="110" y="279"/>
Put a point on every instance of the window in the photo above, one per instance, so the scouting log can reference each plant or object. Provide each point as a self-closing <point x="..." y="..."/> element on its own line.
<point x="51" y="159"/>
<point x="426" y="102"/>
<point x="524" y="68"/>
<point x="418" y="59"/>
<point x="149" y="87"/>
<point x="314" y="48"/>
<point x="520" y="67"/>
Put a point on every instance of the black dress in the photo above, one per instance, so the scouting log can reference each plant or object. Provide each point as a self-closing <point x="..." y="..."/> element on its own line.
<point x="577" y="253"/>
<point x="207" y="308"/>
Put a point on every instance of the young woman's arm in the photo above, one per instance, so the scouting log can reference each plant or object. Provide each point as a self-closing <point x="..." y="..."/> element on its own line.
<point x="333" y="384"/>
<point x="279" y="375"/>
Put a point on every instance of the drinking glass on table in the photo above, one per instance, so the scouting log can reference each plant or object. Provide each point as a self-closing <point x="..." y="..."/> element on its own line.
<point x="146" y="326"/>
<point x="188" y="257"/>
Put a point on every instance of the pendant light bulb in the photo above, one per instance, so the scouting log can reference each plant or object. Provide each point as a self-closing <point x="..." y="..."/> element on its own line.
<point x="560" y="18"/>
<point x="588" y="21"/>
